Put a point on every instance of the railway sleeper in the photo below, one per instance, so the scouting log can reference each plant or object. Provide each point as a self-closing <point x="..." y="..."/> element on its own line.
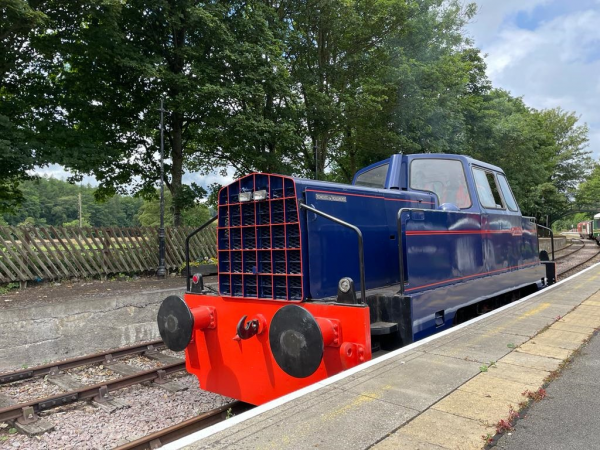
<point x="29" y="423"/>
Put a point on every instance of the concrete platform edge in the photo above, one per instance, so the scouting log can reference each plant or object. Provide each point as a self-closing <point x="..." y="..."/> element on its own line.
<point x="195" y="437"/>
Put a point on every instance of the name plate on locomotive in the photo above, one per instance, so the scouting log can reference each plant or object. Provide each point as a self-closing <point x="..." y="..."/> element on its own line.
<point x="331" y="198"/>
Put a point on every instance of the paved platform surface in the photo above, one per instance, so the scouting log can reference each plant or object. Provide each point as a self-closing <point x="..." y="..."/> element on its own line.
<point x="448" y="392"/>
<point x="568" y="417"/>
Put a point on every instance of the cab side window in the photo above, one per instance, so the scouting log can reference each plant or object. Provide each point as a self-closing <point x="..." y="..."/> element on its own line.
<point x="445" y="177"/>
<point x="507" y="193"/>
<point x="487" y="189"/>
<point x="374" y="178"/>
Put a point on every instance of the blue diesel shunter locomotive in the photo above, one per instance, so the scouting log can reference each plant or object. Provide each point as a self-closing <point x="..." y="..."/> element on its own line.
<point x="315" y="276"/>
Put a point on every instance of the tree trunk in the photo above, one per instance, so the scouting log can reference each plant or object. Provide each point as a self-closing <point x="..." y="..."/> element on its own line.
<point x="176" y="65"/>
<point x="177" y="166"/>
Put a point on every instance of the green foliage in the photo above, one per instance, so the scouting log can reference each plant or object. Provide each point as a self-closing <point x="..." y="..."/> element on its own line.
<point x="75" y="223"/>
<point x="295" y="87"/>
<point x="5" y="289"/>
<point x="542" y="152"/>
<point x="149" y="213"/>
<point x="17" y="147"/>
<point x="54" y="202"/>
<point x="588" y="192"/>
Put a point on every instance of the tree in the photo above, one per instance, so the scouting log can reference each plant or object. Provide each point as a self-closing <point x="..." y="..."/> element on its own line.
<point x="17" y="152"/>
<point x="48" y="201"/>
<point x="378" y="78"/>
<point x="542" y="152"/>
<point x="569" y="160"/>
<point x="111" y="62"/>
<point x="588" y="192"/>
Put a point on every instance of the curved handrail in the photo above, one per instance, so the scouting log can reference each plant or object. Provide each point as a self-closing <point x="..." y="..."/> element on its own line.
<point x="551" y="237"/>
<point x="361" y="255"/>
<point x="187" y="250"/>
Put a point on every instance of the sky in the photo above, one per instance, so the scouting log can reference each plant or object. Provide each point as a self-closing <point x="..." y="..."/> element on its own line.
<point x="546" y="51"/>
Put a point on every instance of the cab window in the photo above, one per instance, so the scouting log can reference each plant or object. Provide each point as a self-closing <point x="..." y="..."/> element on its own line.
<point x="444" y="177"/>
<point x="507" y="193"/>
<point x="487" y="189"/>
<point x="374" y="178"/>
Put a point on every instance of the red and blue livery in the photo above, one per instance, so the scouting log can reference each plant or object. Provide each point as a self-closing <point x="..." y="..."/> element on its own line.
<point x="314" y="277"/>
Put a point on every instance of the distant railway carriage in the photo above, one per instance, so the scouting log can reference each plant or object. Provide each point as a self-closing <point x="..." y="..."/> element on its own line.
<point x="314" y="277"/>
<point x="586" y="229"/>
<point x="596" y="228"/>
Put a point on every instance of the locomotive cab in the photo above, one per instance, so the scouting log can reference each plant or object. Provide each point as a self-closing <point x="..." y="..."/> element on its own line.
<point x="315" y="276"/>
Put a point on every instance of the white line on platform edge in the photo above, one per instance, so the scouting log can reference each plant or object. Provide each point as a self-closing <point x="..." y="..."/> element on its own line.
<point x="202" y="434"/>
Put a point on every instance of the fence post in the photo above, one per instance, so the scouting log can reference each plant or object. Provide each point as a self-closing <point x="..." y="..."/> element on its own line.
<point x="105" y="253"/>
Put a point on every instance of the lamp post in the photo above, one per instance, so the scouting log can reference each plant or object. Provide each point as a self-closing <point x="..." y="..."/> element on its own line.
<point x="162" y="272"/>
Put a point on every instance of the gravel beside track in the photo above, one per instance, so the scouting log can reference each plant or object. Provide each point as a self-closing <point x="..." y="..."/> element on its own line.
<point x="83" y="426"/>
<point x="588" y="255"/>
<point x="573" y="247"/>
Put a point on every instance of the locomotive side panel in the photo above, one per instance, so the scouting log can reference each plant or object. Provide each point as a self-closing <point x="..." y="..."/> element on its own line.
<point x="441" y="247"/>
<point x="333" y="249"/>
<point x="429" y="304"/>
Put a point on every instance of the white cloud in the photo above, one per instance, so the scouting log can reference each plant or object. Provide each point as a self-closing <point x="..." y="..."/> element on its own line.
<point x="206" y="180"/>
<point x="60" y="173"/>
<point x="513" y="46"/>
<point x="493" y="13"/>
<point x="556" y="62"/>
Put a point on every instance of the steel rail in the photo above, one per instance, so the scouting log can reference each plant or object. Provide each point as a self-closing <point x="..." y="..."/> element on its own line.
<point x="100" y="391"/>
<point x="575" y="267"/>
<point x="187" y="427"/>
<point x="566" y="247"/>
<point x="582" y="246"/>
<point x="46" y="369"/>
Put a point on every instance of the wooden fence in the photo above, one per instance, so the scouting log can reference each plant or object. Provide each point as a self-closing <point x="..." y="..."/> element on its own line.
<point x="52" y="253"/>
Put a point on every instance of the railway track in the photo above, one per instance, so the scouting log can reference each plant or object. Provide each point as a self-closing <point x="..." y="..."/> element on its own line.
<point x="26" y="412"/>
<point x="180" y="430"/>
<point x="567" y="251"/>
<point x="587" y="254"/>
<point x="99" y="392"/>
<point x="102" y="357"/>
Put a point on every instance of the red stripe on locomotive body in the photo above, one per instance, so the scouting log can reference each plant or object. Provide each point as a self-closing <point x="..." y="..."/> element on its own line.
<point x="481" y="274"/>
<point x="515" y="231"/>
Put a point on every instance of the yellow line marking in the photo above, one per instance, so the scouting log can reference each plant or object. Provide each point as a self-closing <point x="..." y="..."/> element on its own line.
<point x="534" y="311"/>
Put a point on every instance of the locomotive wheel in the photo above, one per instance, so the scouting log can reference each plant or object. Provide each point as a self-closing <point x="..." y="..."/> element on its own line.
<point x="296" y="341"/>
<point x="175" y="323"/>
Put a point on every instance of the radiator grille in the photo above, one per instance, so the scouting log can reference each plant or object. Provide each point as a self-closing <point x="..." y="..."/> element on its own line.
<point x="259" y="241"/>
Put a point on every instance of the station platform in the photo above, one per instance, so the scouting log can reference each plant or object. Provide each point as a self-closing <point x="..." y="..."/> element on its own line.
<point x="447" y="391"/>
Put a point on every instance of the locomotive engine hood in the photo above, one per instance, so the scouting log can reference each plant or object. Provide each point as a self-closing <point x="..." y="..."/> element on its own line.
<point x="269" y="248"/>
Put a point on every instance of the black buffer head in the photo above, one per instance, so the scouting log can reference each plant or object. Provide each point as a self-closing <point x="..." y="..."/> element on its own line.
<point x="296" y="341"/>
<point x="175" y="323"/>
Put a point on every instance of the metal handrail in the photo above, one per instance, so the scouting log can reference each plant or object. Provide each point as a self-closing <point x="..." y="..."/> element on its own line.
<point x="401" y="248"/>
<point x="361" y="255"/>
<point x="187" y="250"/>
<point x="551" y="237"/>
